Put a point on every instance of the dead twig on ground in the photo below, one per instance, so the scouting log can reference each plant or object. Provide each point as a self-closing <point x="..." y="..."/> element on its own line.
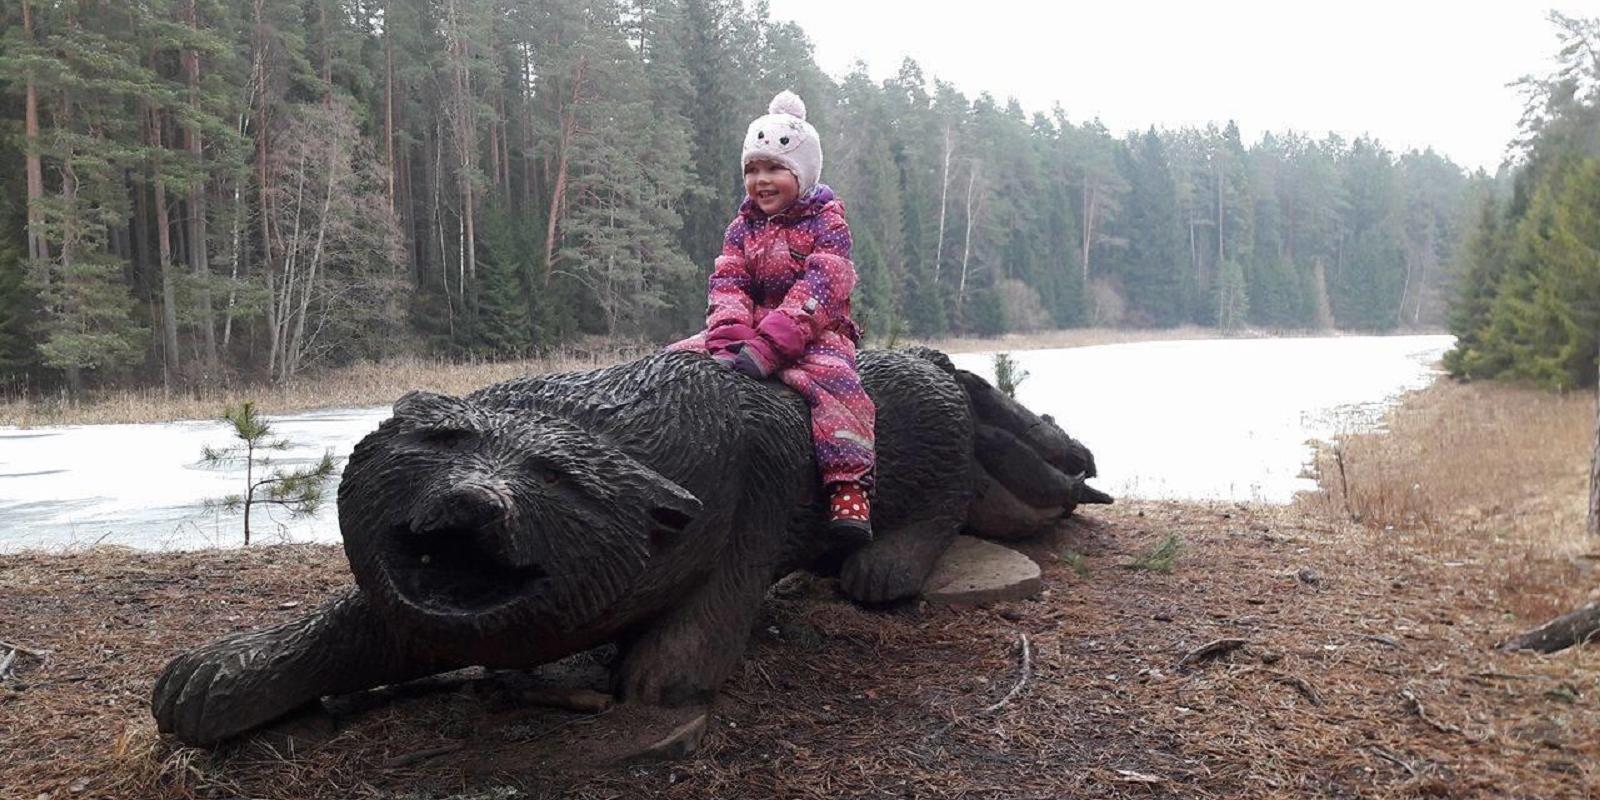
<point x="35" y="652"/>
<point x="407" y="759"/>
<point x="1394" y="759"/>
<point x="1383" y="640"/>
<point x="1300" y="685"/>
<point x="1414" y="703"/>
<point x="1211" y="650"/>
<point x="583" y="701"/>
<point x="1505" y="676"/>
<point x="1027" y="672"/>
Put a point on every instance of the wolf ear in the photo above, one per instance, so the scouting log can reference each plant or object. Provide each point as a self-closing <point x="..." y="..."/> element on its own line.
<point x="427" y="407"/>
<point x="670" y="507"/>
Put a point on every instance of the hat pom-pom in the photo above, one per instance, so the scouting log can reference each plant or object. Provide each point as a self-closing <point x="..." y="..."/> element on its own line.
<point x="788" y="102"/>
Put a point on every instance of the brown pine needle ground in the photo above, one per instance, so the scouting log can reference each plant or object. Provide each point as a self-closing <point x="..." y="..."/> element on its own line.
<point x="1369" y="671"/>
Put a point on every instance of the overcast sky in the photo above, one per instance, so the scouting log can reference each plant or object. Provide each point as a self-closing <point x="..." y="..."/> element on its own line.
<point x="1413" y="73"/>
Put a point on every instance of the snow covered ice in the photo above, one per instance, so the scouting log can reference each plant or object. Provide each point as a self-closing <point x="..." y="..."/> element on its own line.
<point x="1202" y="420"/>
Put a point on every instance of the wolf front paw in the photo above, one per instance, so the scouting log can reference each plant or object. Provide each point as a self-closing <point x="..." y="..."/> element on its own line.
<point x="200" y="699"/>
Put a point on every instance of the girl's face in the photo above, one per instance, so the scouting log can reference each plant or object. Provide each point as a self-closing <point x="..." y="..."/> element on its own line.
<point x="772" y="186"/>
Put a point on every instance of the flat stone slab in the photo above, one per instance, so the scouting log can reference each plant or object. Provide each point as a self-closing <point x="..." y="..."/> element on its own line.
<point x="974" y="571"/>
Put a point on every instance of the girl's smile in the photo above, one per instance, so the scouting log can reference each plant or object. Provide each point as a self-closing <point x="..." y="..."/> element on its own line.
<point x="770" y="185"/>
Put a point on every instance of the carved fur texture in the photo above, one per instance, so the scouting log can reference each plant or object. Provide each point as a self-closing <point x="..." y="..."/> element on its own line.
<point x="649" y="504"/>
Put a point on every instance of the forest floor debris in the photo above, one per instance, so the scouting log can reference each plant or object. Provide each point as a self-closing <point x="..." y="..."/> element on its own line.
<point x="838" y="701"/>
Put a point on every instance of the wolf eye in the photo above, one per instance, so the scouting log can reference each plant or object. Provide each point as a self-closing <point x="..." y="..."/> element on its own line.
<point x="544" y="473"/>
<point x="446" y="437"/>
<point x="783" y="140"/>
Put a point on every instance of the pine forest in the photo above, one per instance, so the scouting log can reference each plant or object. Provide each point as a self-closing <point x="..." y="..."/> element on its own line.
<point x="211" y="191"/>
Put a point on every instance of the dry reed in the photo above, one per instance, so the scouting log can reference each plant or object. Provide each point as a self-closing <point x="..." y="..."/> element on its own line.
<point x="361" y="384"/>
<point x="370" y="383"/>
<point x="1460" y="470"/>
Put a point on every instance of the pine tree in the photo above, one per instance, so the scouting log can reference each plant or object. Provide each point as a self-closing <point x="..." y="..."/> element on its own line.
<point x="1485" y="262"/>
<point x="300" y="491"/>
<point x="1152" y="265"/>
<point x="505" y="322"/>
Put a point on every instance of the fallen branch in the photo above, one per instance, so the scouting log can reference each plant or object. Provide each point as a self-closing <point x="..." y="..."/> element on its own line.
<point x="1576" y="627"/>
<point x="583" y="701"/>
<point x="1506" y="676"/>
<point x="39" y="654"/>
<point x="1211" y="650"/>
<point x="5" y="665"/>
<point x="1393" y="759"/>
<point x="1027" y="672"/>
<point x="407" y="759"/>
<point x="1300" y="685"/>
<point x="1383" y="640"/>
<point x="1415" y="704"/>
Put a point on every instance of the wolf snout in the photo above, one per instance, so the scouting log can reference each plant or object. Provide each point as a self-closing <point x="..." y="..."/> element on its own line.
<point x="480" y="515"/>
<point x="463" y="508"/>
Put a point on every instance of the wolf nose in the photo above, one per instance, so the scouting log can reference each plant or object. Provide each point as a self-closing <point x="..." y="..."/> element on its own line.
<point x="468" y="507"/>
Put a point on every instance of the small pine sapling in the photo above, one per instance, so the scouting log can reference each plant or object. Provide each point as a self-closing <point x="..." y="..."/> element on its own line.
<point x="300" y="490"/>
<point x="1008" y="374"/>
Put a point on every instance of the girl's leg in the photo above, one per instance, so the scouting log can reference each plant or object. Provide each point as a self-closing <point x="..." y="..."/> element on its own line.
<point x="842" y="418"/>
<point x="694" y="344"/>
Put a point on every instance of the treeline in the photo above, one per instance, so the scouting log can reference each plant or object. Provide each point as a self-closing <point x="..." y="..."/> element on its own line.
<point x="1529" y="307"/>
<point x="195" y="191"/>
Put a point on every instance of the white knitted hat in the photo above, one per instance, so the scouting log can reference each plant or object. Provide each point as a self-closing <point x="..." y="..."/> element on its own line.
<point x="784" y="136"/>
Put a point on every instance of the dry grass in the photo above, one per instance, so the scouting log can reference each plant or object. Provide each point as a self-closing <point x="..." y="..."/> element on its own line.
<point x="1461" y="469"/>
<point x="370" y="383"/>
<point x="362" y="384"/>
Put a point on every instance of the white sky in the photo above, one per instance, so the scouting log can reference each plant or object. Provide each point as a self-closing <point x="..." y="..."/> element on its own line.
<point x="1413" y="73"/>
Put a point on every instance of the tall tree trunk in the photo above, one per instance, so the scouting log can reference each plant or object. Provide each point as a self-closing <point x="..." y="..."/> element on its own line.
<point x="1594" y="472"/>
<point x="38" y="246"/>
<point x="966" y="248"/>
<point x="1405" y="286"/>
<point x="327" y="53"/>
<point x="199" y="257"/>
<point x="558" y="195"/>
<point x="169" y="291"/>
<point x="1091" y="197"/>
<point x="309" y="285"/>
<point x="1194" y="252"/>
<point x="494" y="143"/>
<point x="1221" y="254"/>
<point x="388" y="100"/>
<point x="527" y="133"/>
<point x="1428" y="255"/>
<point x="466" y="148"/>
<point x="944" y="193"/>
<point x="264" y="212"/>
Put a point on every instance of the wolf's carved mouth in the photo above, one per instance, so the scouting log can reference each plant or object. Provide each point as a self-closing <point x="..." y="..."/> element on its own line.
<point x="448" y="570"/>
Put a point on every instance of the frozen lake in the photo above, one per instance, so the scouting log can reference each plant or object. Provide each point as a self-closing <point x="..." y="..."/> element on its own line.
<point x="1215" y="419"/>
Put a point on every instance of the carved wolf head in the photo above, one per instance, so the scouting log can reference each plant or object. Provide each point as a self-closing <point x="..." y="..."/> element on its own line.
<point x="455" y="515"/>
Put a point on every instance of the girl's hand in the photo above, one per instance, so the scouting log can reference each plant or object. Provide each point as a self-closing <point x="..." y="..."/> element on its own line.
<point x="723" y="338"/>
<point x="750" y="362"/>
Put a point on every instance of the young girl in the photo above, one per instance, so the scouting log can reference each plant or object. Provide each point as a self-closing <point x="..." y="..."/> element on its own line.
<point x="780" y="303"/>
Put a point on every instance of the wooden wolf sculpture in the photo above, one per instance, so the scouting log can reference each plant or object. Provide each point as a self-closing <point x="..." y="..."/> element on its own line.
<point x="650" y="505"/>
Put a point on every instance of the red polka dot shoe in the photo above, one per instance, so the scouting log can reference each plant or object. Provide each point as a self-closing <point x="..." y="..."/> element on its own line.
<point x="849" y="515"/>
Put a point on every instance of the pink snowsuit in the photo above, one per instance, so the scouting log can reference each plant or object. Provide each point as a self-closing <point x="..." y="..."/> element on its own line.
<point x="787" y="279"/>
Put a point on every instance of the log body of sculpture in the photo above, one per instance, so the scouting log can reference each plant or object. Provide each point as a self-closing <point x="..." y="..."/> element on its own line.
<point x="650" y="504"/>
